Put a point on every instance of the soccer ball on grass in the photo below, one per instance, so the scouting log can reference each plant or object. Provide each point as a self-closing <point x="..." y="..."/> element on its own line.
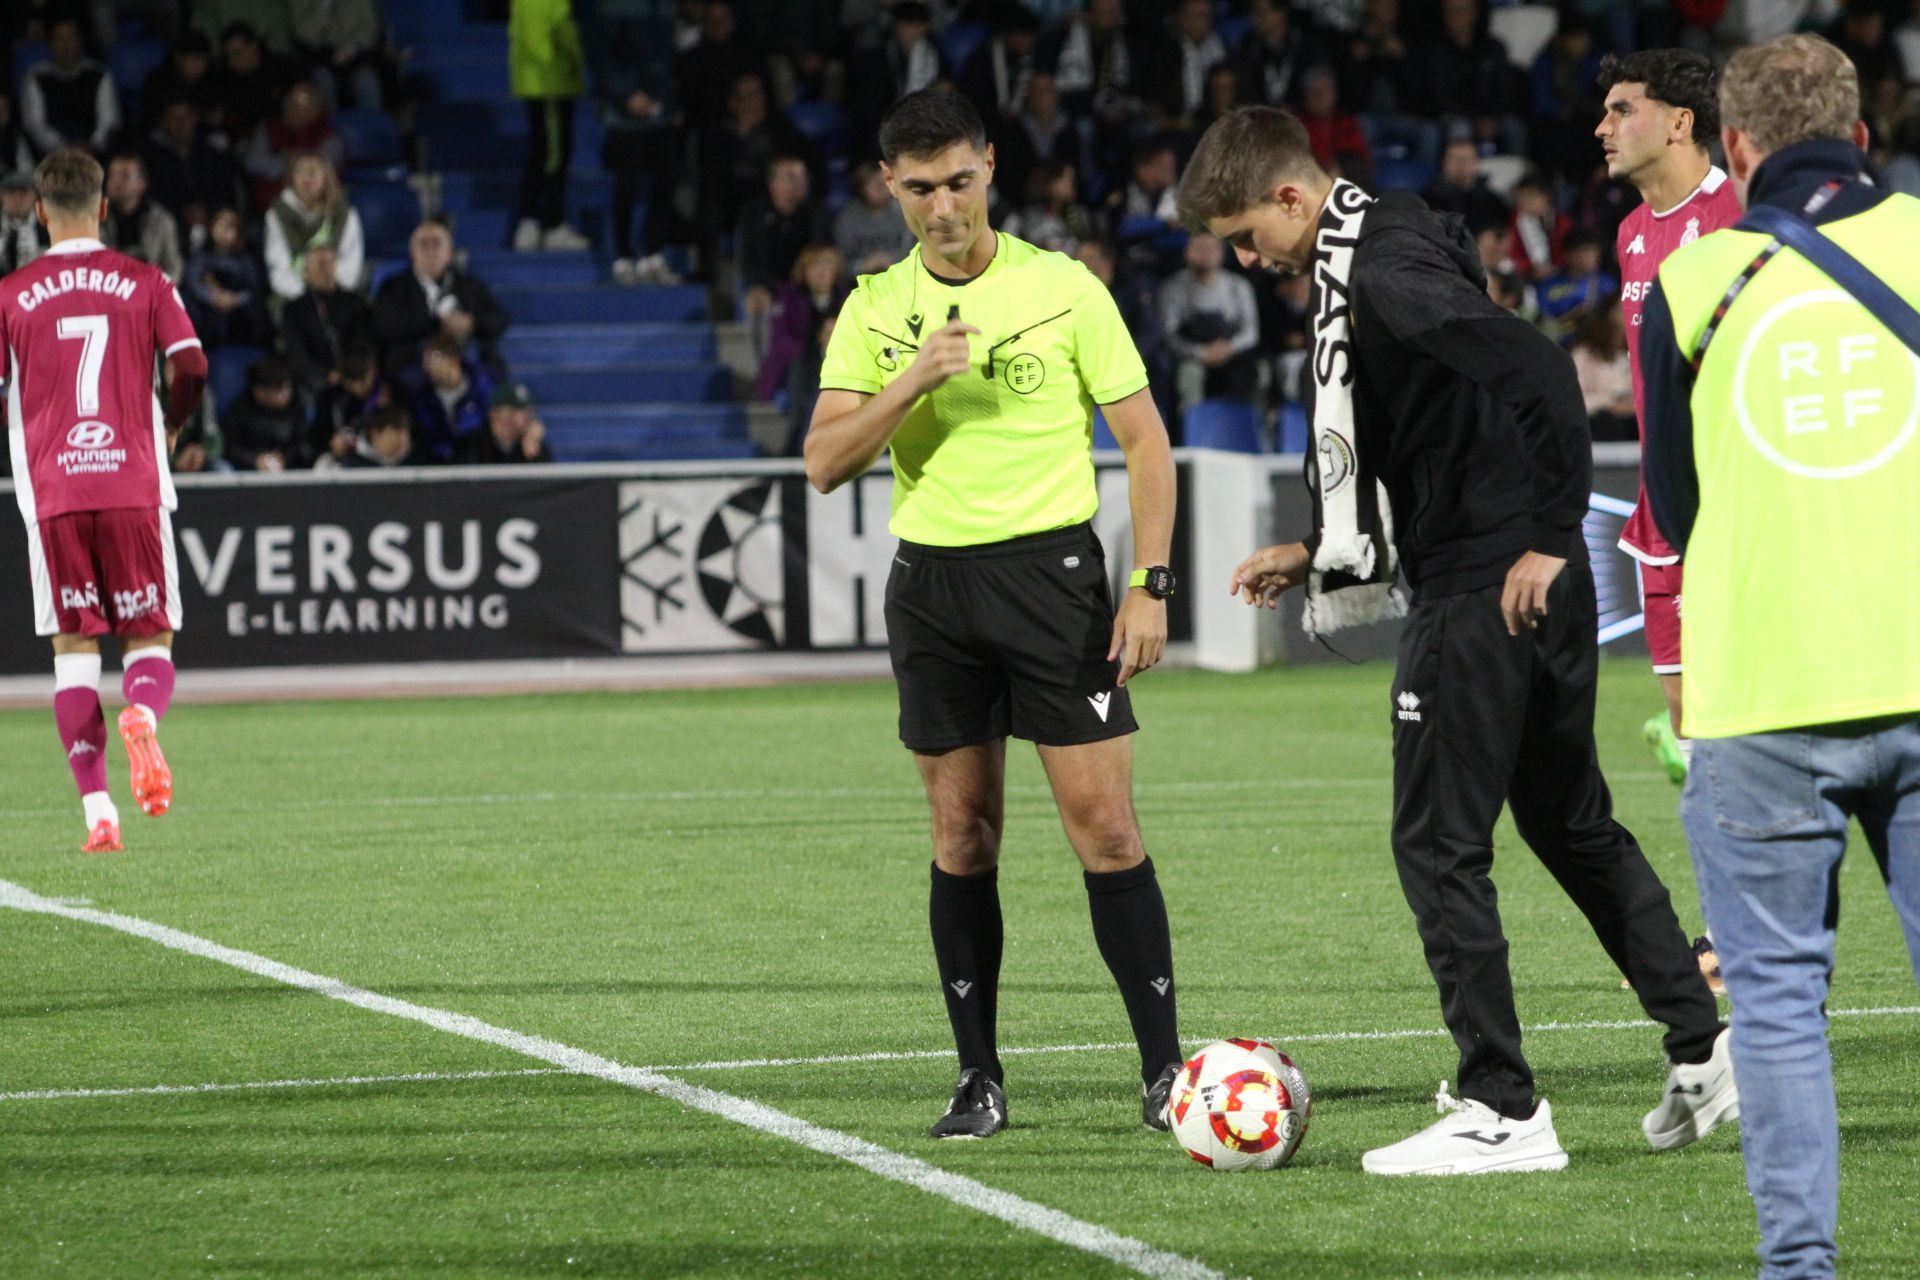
<point x="1239" y="1104"/>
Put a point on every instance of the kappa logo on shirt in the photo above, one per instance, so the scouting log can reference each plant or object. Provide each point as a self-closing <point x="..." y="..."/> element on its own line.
<point x="1639" y="244"/>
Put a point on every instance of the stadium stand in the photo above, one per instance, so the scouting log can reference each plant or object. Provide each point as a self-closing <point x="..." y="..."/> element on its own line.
<point x="647" y="367"/>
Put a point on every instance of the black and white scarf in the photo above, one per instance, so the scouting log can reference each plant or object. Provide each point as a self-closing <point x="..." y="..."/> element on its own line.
<point x="1351" y="580"/>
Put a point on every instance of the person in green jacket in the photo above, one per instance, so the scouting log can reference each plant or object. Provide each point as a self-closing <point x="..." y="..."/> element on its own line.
<point x="544" y="60"/>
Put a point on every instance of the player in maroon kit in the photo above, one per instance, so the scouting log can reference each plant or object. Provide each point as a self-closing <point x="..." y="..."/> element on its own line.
<point x="79" y="330"/>
<point x="1662" y="110"/>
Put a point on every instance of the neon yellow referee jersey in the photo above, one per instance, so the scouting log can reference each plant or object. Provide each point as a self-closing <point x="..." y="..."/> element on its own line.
<point x="1006" y="448"/>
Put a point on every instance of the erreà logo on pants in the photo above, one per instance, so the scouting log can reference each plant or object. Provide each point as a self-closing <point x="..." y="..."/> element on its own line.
<point x="90" y="450"/>
<point x="1409" y="704"/>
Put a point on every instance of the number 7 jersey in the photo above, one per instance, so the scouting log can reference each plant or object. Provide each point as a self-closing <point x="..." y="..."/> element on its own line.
<point x="80" y="328"/>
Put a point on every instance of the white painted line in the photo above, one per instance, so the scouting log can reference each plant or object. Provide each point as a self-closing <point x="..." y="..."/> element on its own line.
<point x="837" y="1059"/>
<point x="1125" y="1251"/>
<point x="330" y="1082"/>
<point x="1284" y="1041"/>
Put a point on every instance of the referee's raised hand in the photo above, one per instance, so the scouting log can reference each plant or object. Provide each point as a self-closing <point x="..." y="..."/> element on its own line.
<point x="944" y="355"/>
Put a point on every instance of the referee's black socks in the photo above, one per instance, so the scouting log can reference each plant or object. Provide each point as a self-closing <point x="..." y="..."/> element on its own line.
<point x="1130" y="926"/>
<point x="964" y="912"/>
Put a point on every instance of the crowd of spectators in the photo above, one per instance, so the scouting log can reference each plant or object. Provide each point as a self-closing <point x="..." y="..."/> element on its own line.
<point x="740" y="140"/>
<point x="224" y="169"/>
<point x="1092" y="107"/>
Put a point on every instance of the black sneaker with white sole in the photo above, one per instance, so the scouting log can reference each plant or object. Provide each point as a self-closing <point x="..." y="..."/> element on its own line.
<point x="1154" y="1097"/>
<point x="978" y="1109"/>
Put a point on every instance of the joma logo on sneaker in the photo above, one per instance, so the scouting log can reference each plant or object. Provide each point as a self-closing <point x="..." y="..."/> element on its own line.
<point x="1409" y="707"/>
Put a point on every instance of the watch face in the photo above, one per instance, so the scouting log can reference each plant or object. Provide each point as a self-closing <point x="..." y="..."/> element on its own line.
<point x="1160" y="583"/>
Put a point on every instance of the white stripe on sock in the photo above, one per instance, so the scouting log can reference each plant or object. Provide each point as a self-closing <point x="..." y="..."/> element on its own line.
<point x="76" y="671"/>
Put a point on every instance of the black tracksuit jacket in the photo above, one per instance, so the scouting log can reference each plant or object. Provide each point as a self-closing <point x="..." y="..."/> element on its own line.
<point x="1472" y="417"/>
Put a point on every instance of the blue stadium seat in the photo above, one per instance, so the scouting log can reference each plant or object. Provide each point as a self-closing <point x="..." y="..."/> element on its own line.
<point x="388" y="216"/>
<point x="1102" y="433"/>
<point x="501" y="268"/>
<point x="958" y="42"/>
<point x="1402" y="175"/>
<point x="27" y="55"/>
<point x="379" y="273"/>
<point x="375" y="175"/>
<point x="227" y="373"/>
<point x="484" y="228"/>
<point x="370" y="136"/>
<point x="619" y="343"/>
<point x="824" y="123"/>
<point x="603" y="304"/>
<point x="131" y="60"/>
<point x="1294" y="435"/>
<point x="1231" y="425"/>
<point x="577" y="383"/>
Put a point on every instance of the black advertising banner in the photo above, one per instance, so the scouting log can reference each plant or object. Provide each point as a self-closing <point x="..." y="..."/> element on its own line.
<point x="387" y="571"/>
<point x="474" y="565"/>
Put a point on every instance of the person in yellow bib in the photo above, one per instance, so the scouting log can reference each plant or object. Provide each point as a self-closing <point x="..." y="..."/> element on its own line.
<point x="977" y="362"/>
<point x="1782" y="366"/>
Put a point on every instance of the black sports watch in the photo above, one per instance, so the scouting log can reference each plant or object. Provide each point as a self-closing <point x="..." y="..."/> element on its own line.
<point x="1158" y="581"/>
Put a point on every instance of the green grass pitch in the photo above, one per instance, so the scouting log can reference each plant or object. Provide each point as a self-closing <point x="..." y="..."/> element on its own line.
<point x="674" y="879"/>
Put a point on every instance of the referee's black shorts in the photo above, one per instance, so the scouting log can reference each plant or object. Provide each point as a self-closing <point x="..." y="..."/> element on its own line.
<point x="1005" y="639"/>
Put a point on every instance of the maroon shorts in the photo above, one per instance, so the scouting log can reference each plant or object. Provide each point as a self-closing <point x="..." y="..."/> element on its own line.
<point x="100" y="572"/>
<point x="1660" y="600"/>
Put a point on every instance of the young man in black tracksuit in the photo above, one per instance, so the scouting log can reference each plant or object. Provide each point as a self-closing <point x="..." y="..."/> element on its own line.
<point x="1473" y="422"/>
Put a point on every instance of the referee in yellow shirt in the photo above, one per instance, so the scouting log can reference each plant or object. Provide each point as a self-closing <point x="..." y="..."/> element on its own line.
<point x="999" y="617"/>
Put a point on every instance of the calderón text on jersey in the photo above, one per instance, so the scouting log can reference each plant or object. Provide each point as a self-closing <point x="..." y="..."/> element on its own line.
<point x="91" y="279"/>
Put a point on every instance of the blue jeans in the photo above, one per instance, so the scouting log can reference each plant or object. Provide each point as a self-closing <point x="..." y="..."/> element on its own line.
<point x="1767" y="817"/>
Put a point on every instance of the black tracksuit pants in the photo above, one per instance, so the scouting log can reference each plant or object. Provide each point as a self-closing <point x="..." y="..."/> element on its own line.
<point x="543" y="180"/>
<point x="1482" y="718"/>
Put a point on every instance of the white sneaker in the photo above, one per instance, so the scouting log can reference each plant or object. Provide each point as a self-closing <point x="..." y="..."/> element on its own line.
<point x="526" y="236"/>
<point x="1472" y="1139"/>
<point x="1699" y="1099"/>
<point x="625" y="272"/>
<point x="564" y="238"/>
<point x="653" y="269"/>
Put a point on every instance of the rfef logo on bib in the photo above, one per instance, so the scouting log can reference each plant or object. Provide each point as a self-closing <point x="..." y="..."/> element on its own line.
<point x="91" y="434"/>
<point x="1832" y="396"/>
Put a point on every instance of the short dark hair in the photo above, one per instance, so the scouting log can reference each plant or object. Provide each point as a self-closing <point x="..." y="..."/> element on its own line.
<point x="927" y="122"/>
<point x="356" y="362"/>
<point x="1677" y="77"/>
<point x="443" y="344"/>
<point x="269" y="371"/>
<point x="242" y="30"/>
<point x="1240" y="157"/>
<point x="387" y="415"/>
<point x="69" y="179"/>
<point x="1150" y="149"/>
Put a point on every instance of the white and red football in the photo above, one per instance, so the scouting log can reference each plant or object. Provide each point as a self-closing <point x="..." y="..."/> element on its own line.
<point x="1239" y="1104"/>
